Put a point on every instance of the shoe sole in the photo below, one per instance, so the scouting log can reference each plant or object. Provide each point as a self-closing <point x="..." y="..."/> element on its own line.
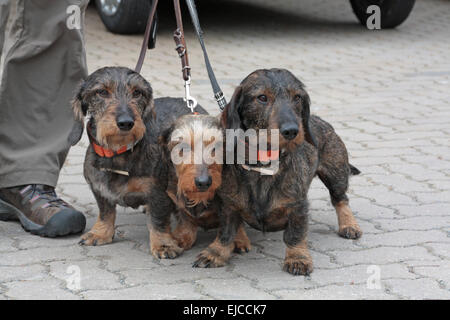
<point x="63" y="223"/>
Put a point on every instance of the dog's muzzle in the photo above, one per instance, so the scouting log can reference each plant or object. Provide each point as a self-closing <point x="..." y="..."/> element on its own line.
<point x="203" y="182"/>
<point x="289" y="130"/>
<point x="125" y="122"/>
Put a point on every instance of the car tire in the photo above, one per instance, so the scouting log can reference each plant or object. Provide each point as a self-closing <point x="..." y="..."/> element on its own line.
<point x="393" y="12"/>
<point x="124" y="16"/>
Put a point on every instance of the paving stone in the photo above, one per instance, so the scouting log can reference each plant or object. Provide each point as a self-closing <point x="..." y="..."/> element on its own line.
<point x="148" y="292"/>
<point x="382" y="255"/>
<point x="39" y="255"/>
<point x="28" y="241"/>
<point x="414" y="223"/>
<point x="92" y="275"/>
<point x="434" y="209"/>
<point x="47" y="289"/>
<point x="382" y="195"/>
<point x="173" y="274"/>
<point x="26" y="273"/>
<point x="367" y="209"/>
<point x="441" y="249"/>
<point x="335" y="292"/>
<point x="400" y="183"/>
<point x="232" y="289"/>
<point x="437" y="271"/>
<point x="6" y="244"/>
<point x="359" y="274"/>
<point x="418" y="289"/>
<point x="122" y="255"/>
<point x="433" y="197"/>
<point x="403" y="238"/>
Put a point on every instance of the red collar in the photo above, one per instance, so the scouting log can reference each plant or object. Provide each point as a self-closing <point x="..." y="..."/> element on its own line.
<point x="266" y="155"/>
<point x="108" y="153"/>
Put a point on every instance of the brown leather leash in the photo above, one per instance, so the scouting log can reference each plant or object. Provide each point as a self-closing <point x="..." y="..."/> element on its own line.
<point x="150" y="21"/>
<point x="178" y="37"/>
<point x="181" y="49"/>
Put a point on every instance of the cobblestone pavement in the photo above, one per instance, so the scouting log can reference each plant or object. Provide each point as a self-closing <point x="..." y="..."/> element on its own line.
<point x="387" y="95"/>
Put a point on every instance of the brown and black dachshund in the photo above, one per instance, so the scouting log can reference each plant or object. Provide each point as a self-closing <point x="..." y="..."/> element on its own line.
<point x="193" y="182"/>
<point x="308" y="146"/>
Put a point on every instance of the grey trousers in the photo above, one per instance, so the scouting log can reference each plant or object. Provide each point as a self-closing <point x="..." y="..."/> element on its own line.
<point x="44" y="61"/>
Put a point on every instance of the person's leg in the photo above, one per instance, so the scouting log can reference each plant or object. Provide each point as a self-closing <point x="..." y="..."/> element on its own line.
<point x="43" y="66"/>
<point x="45" y="63"/>
<point x="4" y="13"/>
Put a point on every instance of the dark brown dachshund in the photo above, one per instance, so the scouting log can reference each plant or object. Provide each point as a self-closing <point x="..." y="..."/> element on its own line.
<point x="308" y="146"/>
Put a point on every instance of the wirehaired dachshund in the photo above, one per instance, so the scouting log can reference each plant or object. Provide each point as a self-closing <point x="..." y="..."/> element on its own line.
<point x="193" y="147"/>
<point x="307" y="146"/>
<point x="124" y="163"/>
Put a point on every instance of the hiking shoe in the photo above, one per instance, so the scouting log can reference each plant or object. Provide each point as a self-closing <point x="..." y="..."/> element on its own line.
<point x="40" y="211"/>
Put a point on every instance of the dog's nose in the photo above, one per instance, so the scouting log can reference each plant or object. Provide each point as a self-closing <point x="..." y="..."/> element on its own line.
<point x="289" y="130"/>
<point x="125" y="122"/>
<point x="203" y="182"/>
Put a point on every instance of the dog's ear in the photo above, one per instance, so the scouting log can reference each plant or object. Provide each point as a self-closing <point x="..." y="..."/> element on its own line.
<point x="79" y="109"/>
<point x="163" y="138"/>
<point x="309" y="137"/>
<point x="230" y="115"/>
<point x="149" y="112"/>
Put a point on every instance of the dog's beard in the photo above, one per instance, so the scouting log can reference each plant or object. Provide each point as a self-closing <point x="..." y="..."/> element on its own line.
<point x="187" y="192"/>
<point x="109" y="136"/>
<point x="193" y="198"/>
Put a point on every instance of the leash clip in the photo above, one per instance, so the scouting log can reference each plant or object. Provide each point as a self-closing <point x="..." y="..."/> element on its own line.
<point x="190" y="101"/>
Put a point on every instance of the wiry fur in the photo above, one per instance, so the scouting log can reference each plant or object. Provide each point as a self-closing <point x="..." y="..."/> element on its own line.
<point x="269" y="99"/>
<point x="195" y="208"/>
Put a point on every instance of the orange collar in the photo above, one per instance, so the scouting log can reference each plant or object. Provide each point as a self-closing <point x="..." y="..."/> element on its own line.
<point x="108" y="153"/>
<point x="266" y="155"/>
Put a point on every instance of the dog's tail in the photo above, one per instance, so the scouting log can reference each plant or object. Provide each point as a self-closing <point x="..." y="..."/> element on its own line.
<point x="353" y="170"/>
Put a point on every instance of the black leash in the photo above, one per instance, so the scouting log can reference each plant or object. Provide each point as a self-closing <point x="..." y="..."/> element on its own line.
<point x="218" y="94"/>
<point x="150" y="31"/>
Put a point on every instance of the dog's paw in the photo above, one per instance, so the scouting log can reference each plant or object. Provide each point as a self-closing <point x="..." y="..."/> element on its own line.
<point x="95" y="239"/>
<point x="242" y="246"/>
<point x="298" y="266"/>
<point x="241" y="241"/>
<point x="166" y="251"/>
<point x="209" y="259"/>
<point x="350" y="232"/>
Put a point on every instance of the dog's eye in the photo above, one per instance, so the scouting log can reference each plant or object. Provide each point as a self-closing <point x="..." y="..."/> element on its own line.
<point x="262" y="98"/>
<point x="297" y="98"/>
<point x="102" y="93"/>
<point x="137" y="93"/>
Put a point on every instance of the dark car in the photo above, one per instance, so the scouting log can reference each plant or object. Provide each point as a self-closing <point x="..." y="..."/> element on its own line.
<point x="130" y="16"/>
